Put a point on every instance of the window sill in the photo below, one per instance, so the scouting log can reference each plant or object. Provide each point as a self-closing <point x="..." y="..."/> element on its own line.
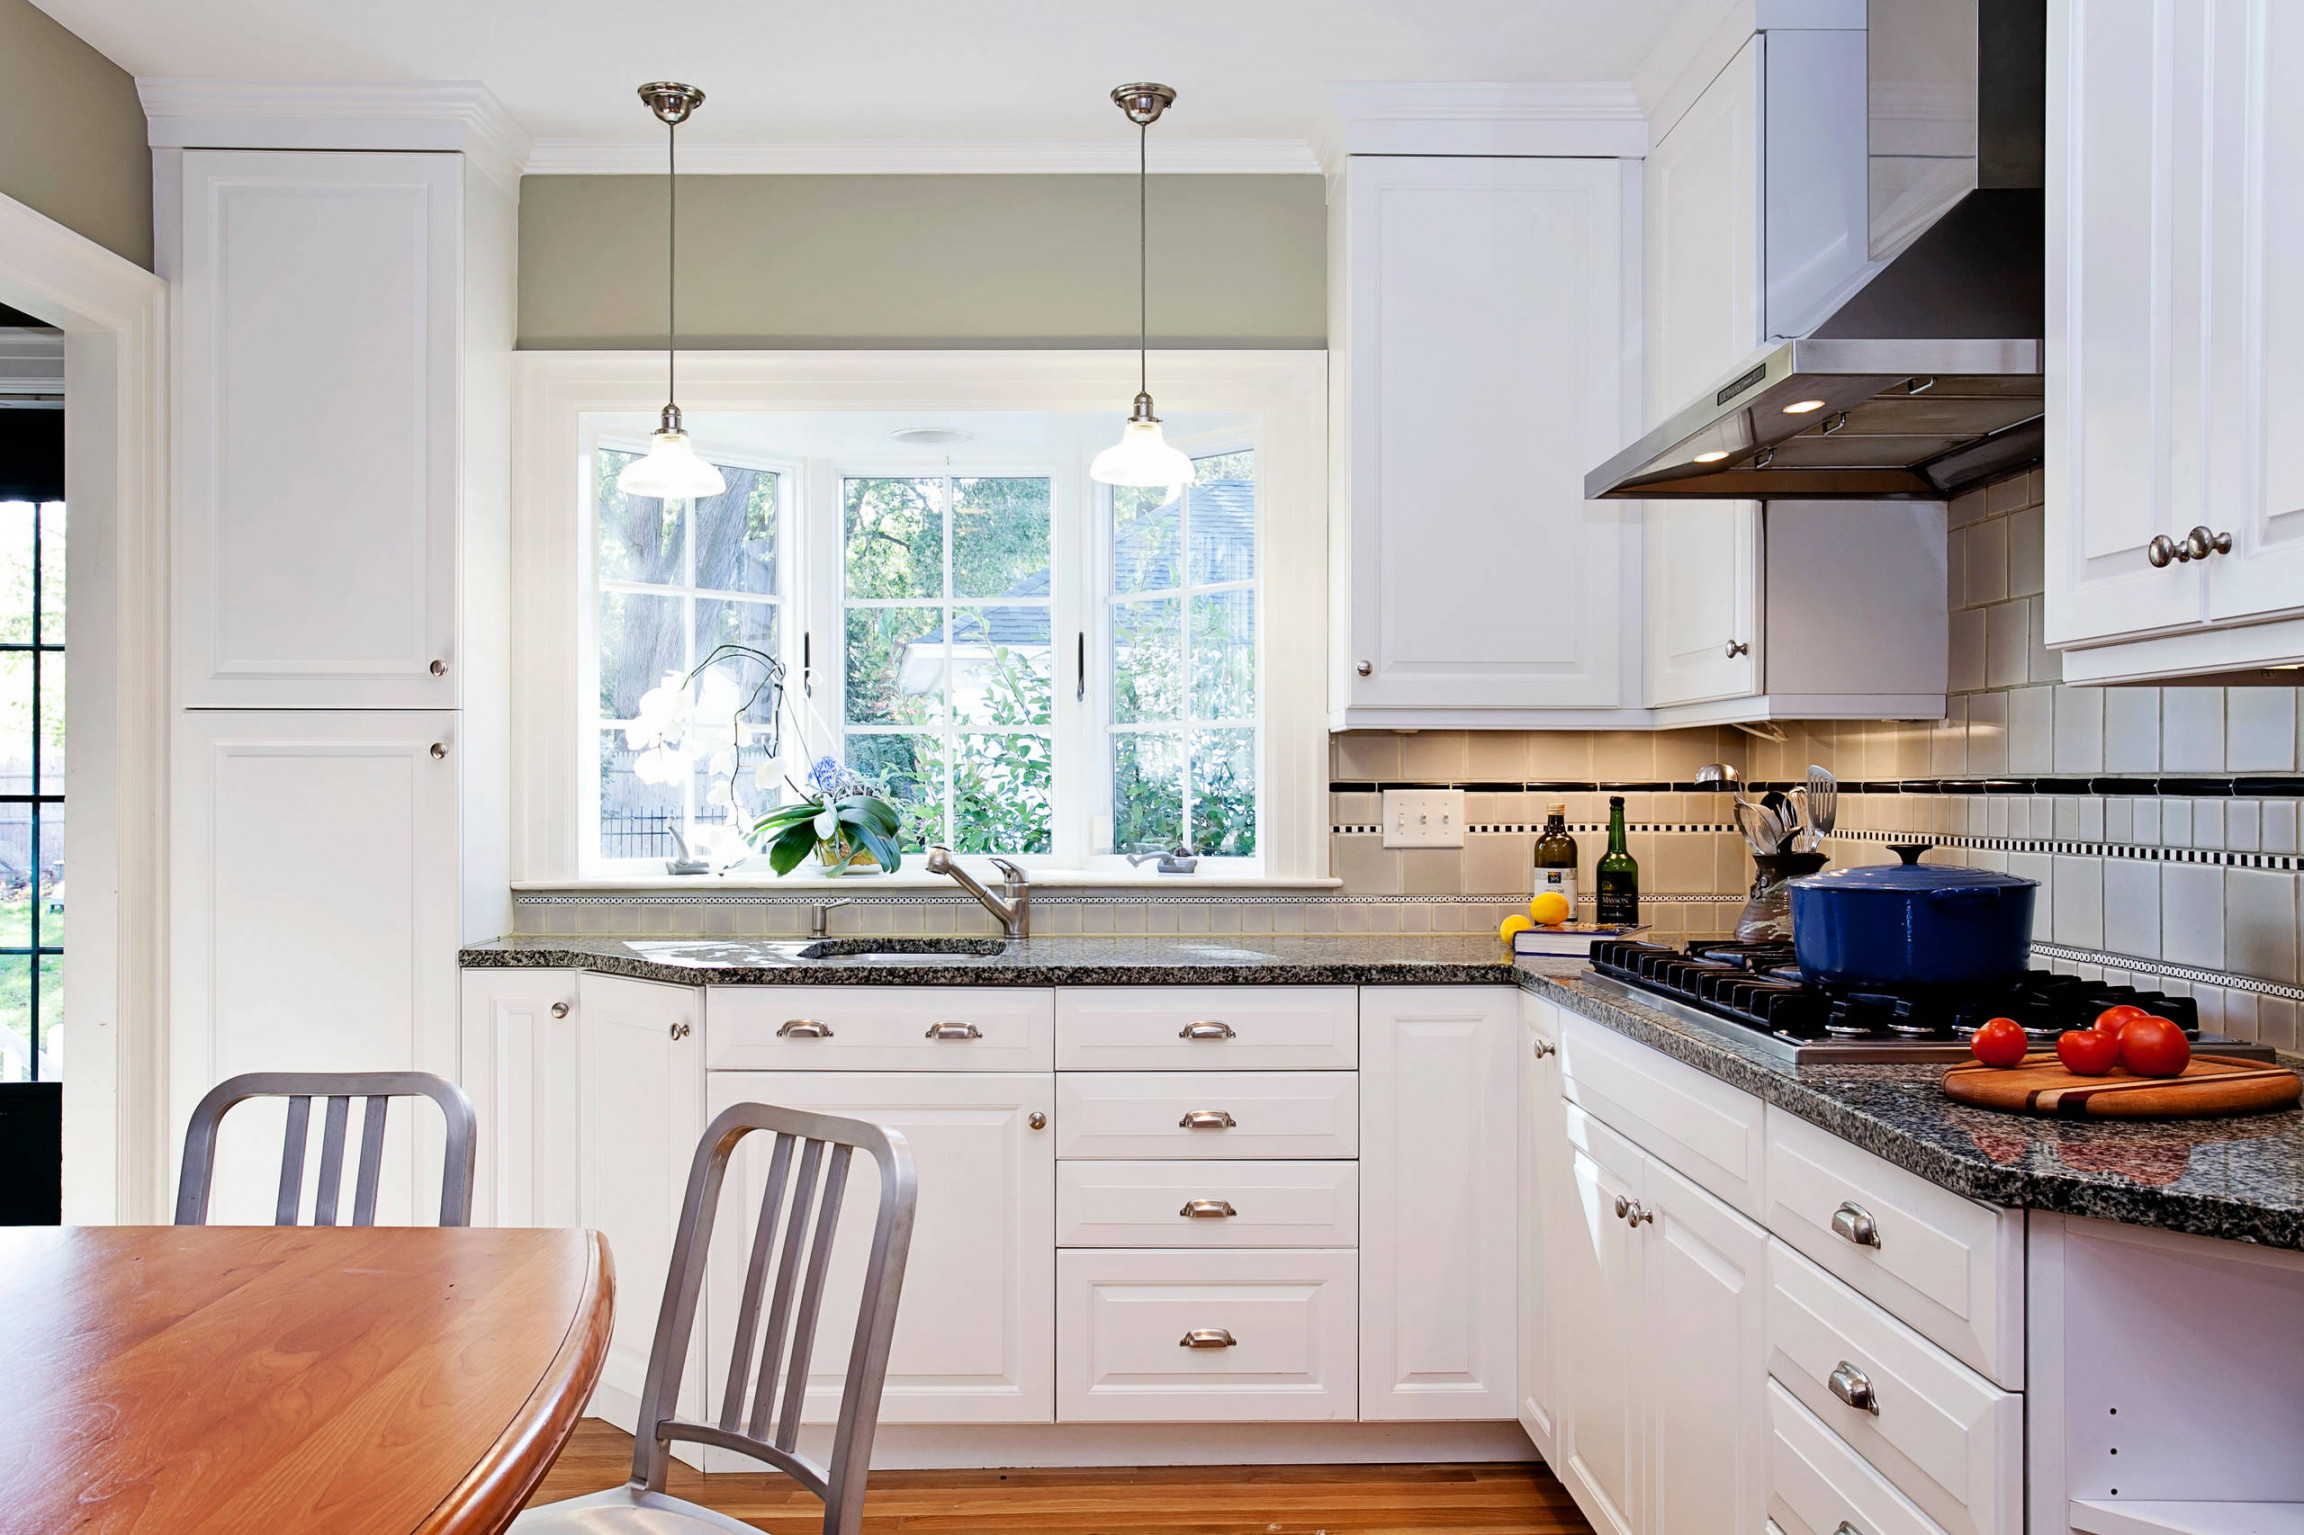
<point x="817" y="886"/>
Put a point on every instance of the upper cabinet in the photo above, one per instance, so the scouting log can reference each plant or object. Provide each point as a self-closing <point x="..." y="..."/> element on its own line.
<point x="1477" y="325"/>
<point x="341" y="317"/>
<point x="2175" y="318"/>
<point x="1701" y="228"/>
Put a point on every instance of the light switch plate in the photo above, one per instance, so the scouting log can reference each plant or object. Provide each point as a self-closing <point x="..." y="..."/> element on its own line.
<point x="1423" y="817"/>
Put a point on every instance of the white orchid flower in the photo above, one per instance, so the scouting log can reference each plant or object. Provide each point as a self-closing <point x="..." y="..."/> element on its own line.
<point x="659" y="765"/>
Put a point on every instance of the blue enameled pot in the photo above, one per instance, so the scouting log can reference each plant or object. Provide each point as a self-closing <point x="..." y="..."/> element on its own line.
<point x="1911" y="925"/>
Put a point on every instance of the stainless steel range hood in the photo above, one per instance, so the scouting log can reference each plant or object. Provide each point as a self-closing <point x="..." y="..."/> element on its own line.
<point x="1926" y="378"/>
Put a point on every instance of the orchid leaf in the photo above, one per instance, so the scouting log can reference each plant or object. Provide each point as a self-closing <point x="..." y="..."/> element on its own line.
<point x="798" y="840"/>
<point x="883" y="849"/>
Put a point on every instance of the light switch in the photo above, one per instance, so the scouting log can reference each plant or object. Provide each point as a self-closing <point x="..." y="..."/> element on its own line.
<point x="1423" y="817"/>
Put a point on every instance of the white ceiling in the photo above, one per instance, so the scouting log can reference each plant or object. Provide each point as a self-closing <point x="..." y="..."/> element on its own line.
<point x="1022" y="71"/>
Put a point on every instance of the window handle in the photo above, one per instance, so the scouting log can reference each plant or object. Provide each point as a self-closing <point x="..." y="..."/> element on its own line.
<point x="1080" y="685"/>
<point x="807" y="672"/>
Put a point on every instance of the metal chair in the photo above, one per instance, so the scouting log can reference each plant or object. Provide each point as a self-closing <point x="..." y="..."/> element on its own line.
<point x="758" y="1417"/>
<point x="339" y="1088"/>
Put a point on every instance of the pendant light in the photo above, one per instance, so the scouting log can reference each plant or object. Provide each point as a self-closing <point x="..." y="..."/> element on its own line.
<point x="671" y="471"/>
<point x="1142" y="456"/>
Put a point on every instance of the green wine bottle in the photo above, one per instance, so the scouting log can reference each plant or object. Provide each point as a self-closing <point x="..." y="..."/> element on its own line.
<point x="1556" y="859"/>
<point x="1619" y="881"/>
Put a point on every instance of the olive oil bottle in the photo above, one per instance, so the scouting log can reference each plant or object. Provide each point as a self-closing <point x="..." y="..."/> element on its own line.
<point x="1619" y="876"/>
<point x="1556" y="858"/>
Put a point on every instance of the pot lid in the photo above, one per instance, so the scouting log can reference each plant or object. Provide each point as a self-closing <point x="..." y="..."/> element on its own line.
<point x="1912" y="876"/>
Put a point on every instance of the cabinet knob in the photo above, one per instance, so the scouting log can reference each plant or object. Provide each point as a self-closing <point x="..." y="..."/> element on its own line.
<point x="1208" y="1337"/>
<point x="1037" y="1120"/>
<point x="439" y="668"/>
<point x="439" y="750"/>
<point x="2163" y="549"/>
<point x="1847" y="1529"/>
<point x="1364" y="668"/>
<point x="1853" y="1223"/>
<point x="1738" y="648"/>
<point x="1207" y="1210"/>
<point x="1545" y="1047"/>
<point x="1854" y="1387"/>
<point x="2201" y="542"/>
<point x="1208" y="1030"/>
<point x="559" y="1009"/>
<point x="1623" y="1208"/>
<point x="804" y="1028"/>
<point x="954" y="1031"/>
<point x="679" y="1031"/>
<point x="1641" y="1215"/>
<point x="1206" y="1119"/>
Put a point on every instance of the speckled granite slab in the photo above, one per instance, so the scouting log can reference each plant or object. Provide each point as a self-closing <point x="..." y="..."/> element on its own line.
<point x="2241" y="1179"/>
<point x="1262" y="960"/>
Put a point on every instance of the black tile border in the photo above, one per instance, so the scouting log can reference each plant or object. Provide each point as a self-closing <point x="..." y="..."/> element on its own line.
<point x="2071" y="847"/>
<point x="2174" y="786"/>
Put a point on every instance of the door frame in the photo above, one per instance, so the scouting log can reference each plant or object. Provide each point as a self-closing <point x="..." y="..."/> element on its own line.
<point x="114" y="317"/>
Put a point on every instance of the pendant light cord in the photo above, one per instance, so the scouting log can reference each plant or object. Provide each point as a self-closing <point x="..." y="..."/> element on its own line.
<point x="1143" y="259"/>
<point x="672" y="264"/>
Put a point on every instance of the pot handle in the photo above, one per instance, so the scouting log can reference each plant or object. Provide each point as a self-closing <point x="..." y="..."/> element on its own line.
<point x="1970" y="893"/>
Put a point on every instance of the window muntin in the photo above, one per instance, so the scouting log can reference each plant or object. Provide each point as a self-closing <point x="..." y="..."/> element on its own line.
<point x="674" y="579"/>
<point x="948" y="665"/>
<point x="32" y="559"/>
<point x="1182" y="662"/>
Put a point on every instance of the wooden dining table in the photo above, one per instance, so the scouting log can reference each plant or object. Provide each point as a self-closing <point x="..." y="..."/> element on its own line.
<point x="265" y="1380"/>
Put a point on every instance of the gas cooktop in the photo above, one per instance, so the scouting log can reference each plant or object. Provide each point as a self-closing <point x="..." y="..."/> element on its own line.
<point x="1753" y="992"/>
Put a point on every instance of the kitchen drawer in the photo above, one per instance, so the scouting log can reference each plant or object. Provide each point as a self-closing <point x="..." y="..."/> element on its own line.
<point x="1944" y="1265"/>
<point x="1153" y="1204"/>
<point x="1260" y="1114"/>
<point x="1710" y="1133"/>
<point x="1207" y="1028"/>
<point x="1949" y="1438"/>
<point x="879" y="1028"/>
<point x="1818" y="1485"/>
<point x="1122" y="1315"/>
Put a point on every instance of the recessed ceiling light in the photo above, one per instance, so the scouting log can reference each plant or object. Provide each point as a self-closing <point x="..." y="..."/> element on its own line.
<point x="1712" y="457"/>
<point x="1803" y="407"/>
<point x="930" y="436"/>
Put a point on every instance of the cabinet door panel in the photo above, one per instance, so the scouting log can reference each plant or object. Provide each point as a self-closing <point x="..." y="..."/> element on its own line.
<point x="318" y="307"/>
<point x="1702" y="600"/>
<point x="1703" y="1341"/>
<point x="1543" y="1199"/>
<point x="313" y="919"/>
<point x="974" y="1335"/>
<point x="1479" y="576"/>
<point x="1439" y="1202"/>
<point x="640" y="1114"/>
<point x="1601" y="1403"/>
<point x="518" y="1063"/>
<point x="1701" y="238"/>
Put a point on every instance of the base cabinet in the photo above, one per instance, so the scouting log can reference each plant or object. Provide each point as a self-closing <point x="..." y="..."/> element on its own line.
<point x="517" y="1060"/>
<point x="1543" y="1203"/>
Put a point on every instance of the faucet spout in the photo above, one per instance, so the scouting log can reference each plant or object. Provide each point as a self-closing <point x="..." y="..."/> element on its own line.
<point x="1013" y="914"/>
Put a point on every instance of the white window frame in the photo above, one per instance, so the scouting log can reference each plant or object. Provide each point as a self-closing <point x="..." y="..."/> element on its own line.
<point x="1285" y="390"/>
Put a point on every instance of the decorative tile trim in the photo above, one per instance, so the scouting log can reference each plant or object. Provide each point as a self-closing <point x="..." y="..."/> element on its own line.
<point x="2140" y="851"/>
<point x="2137" y="965"/>
<point x="1530" y="828"/>
<point x="2236" y="785"/>
<point x="1063" y="898"/>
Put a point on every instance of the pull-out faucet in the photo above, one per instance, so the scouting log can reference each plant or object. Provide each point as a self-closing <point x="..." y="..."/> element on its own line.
<point x="1015" y="913"/>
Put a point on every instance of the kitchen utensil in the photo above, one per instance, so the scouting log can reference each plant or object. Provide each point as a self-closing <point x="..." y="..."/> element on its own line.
<point x="1758" y="827"/>
<point x="1715" y="774"/>
<point x="1798" y="795"/>
<point x="1823" y="804"/>
<point x="2210" y="1085"/>
<point x="1787" y="822"/>
<point x="1912" y="924"/>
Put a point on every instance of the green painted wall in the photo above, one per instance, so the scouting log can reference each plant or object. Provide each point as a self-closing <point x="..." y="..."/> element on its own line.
<point x="923" y="261"/>
<point x="72" y="134"/>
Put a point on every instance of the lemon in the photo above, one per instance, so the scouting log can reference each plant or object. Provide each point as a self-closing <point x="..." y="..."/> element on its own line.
<point x="1511" y="925"/>
<point x="1550" y="908"/>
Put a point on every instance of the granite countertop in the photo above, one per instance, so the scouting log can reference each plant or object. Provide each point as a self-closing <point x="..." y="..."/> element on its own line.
<point x="2241" y="1178"/>
<point x="1373" y="959"/>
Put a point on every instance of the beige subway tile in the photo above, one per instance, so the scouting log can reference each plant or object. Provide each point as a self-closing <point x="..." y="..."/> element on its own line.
<point x="1683" y="864"/>
<point x="2131" y="730"/>
<point x="1679" y="753"/>
<point x="1987" y="561"/>
<point x="1964" y="656"/>
<point x="2260" y="730"/>
<point x="1497" y="756"/>
<point x="1624" y="756"/>
<point x="1435" y="756"/>
<point x="1498" y="864"/>
<point x="2011" y="494"/>
<point x="1367" y="756"/>
<point x="1988" y="733"/>
<point x="1955" y="569"/>
<point x="2192" y="730"/>
<point x="1365" y="865"/>
<point x="1964" y="509"/>
<point x="2079" y="730"/>
<point x="2007" y="644"/>
<point x="2027" y="551"/>
<point x="2260" y="923"/>
<point x="2042" y="664"/>
<point x="1431" y="870"/>
<point x="1560" y="756"/>
<point x="1948" y="741"/>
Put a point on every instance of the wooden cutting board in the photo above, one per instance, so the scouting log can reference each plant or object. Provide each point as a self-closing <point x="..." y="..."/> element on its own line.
<point x="2210" y="1085"/>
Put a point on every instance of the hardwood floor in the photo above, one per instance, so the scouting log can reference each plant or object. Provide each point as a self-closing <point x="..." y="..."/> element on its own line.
<point x="1186" y="1500"/>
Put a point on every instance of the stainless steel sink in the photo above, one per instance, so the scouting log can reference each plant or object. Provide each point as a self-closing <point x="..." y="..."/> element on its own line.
<point x="900" y="951"/>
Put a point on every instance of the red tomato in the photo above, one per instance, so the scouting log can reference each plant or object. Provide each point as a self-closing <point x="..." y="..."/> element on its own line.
<point x="2000" y="1042"/>
<point x="2113" y="1019"/>
<point x="2087" y="1053"/>
<point x="2154" y="1047"/>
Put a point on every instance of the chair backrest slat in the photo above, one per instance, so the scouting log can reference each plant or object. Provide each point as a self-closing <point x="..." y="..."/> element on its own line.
<point x="291" y="1160"/>
<point x="339" y="1088"/>
<point x="787" y="1272"/>
<point x="812" y="1299"/>
<point x="372" y="1162"/>
<point x="781" y="1348"/>
<point x="755" y="1281"/>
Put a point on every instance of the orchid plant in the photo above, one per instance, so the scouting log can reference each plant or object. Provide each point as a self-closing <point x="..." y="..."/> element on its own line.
<point x="839" y="818"/>
<point x="675" y="727"/>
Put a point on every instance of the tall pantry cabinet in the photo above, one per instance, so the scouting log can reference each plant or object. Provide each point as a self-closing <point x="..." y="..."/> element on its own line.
<point x="341" y="398"/>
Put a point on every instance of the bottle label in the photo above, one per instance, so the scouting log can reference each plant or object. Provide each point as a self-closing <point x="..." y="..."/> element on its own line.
<point x="1560" y="881"/>
<point x="1619" y="908"/>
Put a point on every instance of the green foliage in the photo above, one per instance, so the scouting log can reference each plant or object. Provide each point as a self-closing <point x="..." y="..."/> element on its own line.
<point x="794" y="831"/>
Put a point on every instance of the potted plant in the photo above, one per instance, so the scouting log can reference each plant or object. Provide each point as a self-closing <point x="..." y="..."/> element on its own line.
<point x="839" y="819"/>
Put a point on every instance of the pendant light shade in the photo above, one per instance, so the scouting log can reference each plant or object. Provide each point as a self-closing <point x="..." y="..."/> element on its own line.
<point x="671" y="471"/>
<point x="1142" y="455"/>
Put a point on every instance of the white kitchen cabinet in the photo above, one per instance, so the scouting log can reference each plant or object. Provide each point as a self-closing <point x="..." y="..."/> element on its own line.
<point x="517" y="1060"/>
<point x="2174" y="319"/>
<point x="640" y="1096"/>
<point x="975" y="1331"/>
<point x="1702" y="1349"/>
<point x="1478" y="309"/>
<point x="1601" y="1395"/>
<point x="320" y="307"/>
<point x="1701" y="598"/>
<point x="1440" y="1201"/>
<point x="1543" y="1202"/>
<point x="1701" y="229"/>
<point x="313" y="903"/>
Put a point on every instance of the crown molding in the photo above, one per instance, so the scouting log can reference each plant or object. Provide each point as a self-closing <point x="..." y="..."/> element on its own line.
<point x="461" y="115"/>
<point x="924" y="157"/>
<point x="1596" y="117"/>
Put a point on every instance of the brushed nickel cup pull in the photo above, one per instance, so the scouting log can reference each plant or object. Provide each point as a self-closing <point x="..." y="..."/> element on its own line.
<point x="1207" y="1210"/>
<point x="1545" y="1047"/>
<point x="679" y="1031"/>
<point x="1206" y="1119"/>
<point x="1853" y="1223"/>
<point x="1207" y="1030"/>
<point x="954" y="1031"/>
<point x="559" y="1009"/>
<point x="1208" y="1337"/>
<point x="804" y="1028"/>
<point x="1854" y="1387"/>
